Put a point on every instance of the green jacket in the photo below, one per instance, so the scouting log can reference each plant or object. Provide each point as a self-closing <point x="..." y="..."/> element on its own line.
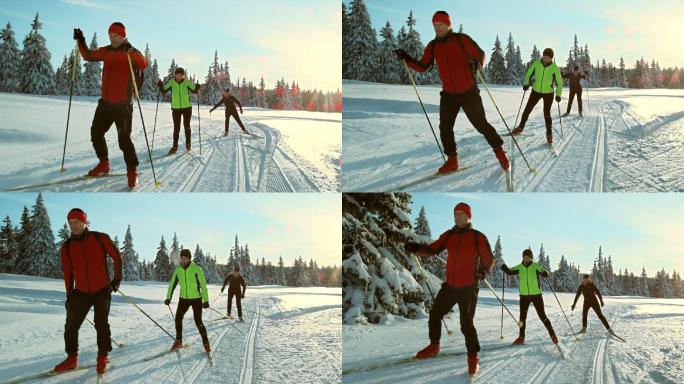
<point x="544" y="78"/>
<point x="193" y="285"/>
<point x="180" y="93"/>
<point x="529" y="281"/>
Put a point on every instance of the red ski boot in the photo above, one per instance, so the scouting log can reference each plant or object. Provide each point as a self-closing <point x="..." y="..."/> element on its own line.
<point x="207" y="348"/>
<point x="517" y="130"/>
<point x="431" y="350"/>
<point x="178" y="344"/>
<point x="102" y="168"/>
<point x="519" y="341"/>
<point x="132" y="176"/>
<point x="450" y="165"/>
<point x="549" y="139"/>
<point x="173" y="150"/>
<point x="102" y="361"/>
<point x="71" y="362"/>
<point x="188" y="147"/>
<point x="473" y="365"/>
<point x="554" y="339"/>
<point x="501" y="156"/>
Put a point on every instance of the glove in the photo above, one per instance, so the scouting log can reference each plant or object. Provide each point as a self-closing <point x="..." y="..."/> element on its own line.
<point x="115" y="284"/>
<point x="545" y="273"/>
<point x="504" y="267"/>
<point x="412" y="247"/>
<point x="243" y="296"/>
<point x="197" y="87"/>
<point x="221" y="290"/>
<point x="205" y="305"/>
<point x="526" y="87"/>
<point x="128" y="47"/>
<point x="572" y="308"/>
<point x="401" y="54"/>
<point x="481" y="274"/>
<point x="167" y="302"/>
<point x="558" y="99"/>
<point x="241" y="111"/>
<point x="602" y="303"/>
<point x="159" y="83"/>
<point x="474" y="65"/>
<point x="78" y="34"/>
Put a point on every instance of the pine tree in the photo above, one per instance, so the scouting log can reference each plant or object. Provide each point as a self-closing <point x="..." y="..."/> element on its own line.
<point x="513" y="68"/>
<point x="63" y="234"/>
<point x="37" y="76"/>
<point x="131" y="270"/>
<point x="345" y="42"/>
<point x="8" y="246"/>
<point x="161" y="264"/>
<point x="362" y="44"/>
<point x="25" y="260"/>
<point x="497" y="277"/>
<point x="388" y="66"/>
<point x="41" y="244"/>
<point x="496" y="68"/>
<point x="413" y="46"/>
<point x="92" y="76"/>
<point x="10" y="63"/>
<point x="281" y="272"/>
<point x="563" y="278"/>
<point x="149" y="90"/>
<point x="534" y="56"/>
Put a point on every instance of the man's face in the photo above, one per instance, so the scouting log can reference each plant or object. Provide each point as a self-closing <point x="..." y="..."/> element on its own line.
<point x="236" y="273"/>
<point x="180" y="77"/>
<point x="185" y="261"/>
<point x="585" y="280"/>
<point x="441" y="29"/>
<point x="76" y="226"/>
<point x="527" y="260"/>
<point x="546" y="60"/>
<point x="461" y="219"/>
<point x="116" y="40"/>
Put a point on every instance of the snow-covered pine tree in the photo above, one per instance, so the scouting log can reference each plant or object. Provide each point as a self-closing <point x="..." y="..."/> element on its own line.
<point x="149" y="90"/>
<point x="25" y="260"/>
<point x="11" y="60"/>
<point x="544" y="260"/>
<point x="8" y="246"/>
<point x="131" y="270"/>
<point x="41" y="244"/>
<point x="62" y="78"/>
<point x="496" y="279"/>
<point x="563" y="278"/>
<point x="361" y="45"/>
<point x="37" y="76"/>
<point x="437" y="264"/>
<point x="513" y="68"/>
<point x="662" y="287"/>
<point x="280" y="273"/>
<point x="389" y="68"/>
<point x="412" y="44"/>
<point x="496" y="68"/>
<point x="77" y="72"/>
<point x="534" y="56"/>
<point x="63" y="234"/>
<point x="160" y="265"/>
<point x="92" y="75"/>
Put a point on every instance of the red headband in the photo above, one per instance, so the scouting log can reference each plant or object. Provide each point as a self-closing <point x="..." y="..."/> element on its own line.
<point x="118" y="29"/>
<point x="465" y="208"/>
<point x="440" y="17"/>
<point x="78" y="215"/>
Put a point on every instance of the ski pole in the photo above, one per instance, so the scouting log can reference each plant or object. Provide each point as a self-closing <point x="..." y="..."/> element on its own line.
<point x="71" y="94"/>
<point x="560" y="118"/>
<point x="415" y="88"/>
<point x="482" y="80"/>
<point x="199" y="123"/>
<point x="427" y="283"/>
<point x="137" y="97"/>
<point x="172" y="315"/>
<point x="503" y="285"/>
<point x="120" y="345"/>
<point x="222" y="315"/>
<point x="520" y="323"/>
<point x="144" y="313"/>
<point x="154" y="128"/>
<point x="519" y="108"/>
<point x="561" y="307"/>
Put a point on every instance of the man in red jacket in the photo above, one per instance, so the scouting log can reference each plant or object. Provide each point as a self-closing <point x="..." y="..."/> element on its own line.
<point x="469" y="259"/>
<point x="86" y="277"/>
<point x="457" y="57"/>
<point x="115" y="105"/>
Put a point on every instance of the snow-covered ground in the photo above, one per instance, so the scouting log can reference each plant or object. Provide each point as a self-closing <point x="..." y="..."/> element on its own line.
<point x="290" y="335"/>
<point x="629" y="140"/>
<point x="297" y="151"/>
<point x="653" y="353"/>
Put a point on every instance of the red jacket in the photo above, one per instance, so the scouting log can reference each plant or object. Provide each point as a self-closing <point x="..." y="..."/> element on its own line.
<point x="116" y="73"/>
<point x="468" y="251"/>
<point x="453" y="54"/>
<point x="84" y="262"/>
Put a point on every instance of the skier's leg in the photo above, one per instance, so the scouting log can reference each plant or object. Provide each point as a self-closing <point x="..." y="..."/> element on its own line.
<point x="579" y="100"/>
<point x="101" y="304"/>
<point x="124" y="125"/>
<point x="599" y="313"/>
<point x="197" y="315"/>
<point x="187" y="114"/>
<point x="239" y="121"/>
<point x="230" y="301"/>
<point x="467" y="302"/>
<point x="585" y="311"/>
<point x="444" y="301"/>
<point x="448" y="110"/>
<point x="524" y="306"/>
<point x="78" y="308"/>
<point x="474" y="110"/>
<point x="548" y="102"/>
<point x="227" y="124"/>
<point x="102" y="120"/>
<point x="238" y="301"/>
<point x="571" y="99"/>
<point x="183" y="305"/>
<point x="538" y="302"/>
<point x="176" y="115"/>
<point x="531" y="102"/>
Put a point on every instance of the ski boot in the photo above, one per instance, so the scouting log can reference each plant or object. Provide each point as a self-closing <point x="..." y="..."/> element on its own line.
<point x="70" y="363"/>
<point x="132" y="176"/>
<point x="473" y="365"/>
<point x="102" y="168"/>
<point x="517" y="130"/>
<point x="178" y="344"/>
<point x="431" y="350"/>
<point x="501" y="156"/>
<point x="519" y="341"/>
<point x="102" y="361"/>
<point x="583" y="330"/>
<point x="207" y="348"/>
<point x="580" y="114"/>
<point x="173" y="150"/>
<point x="241" y="319"/>
<point x="188" y="147"/>
<point x="554" y="339"/>
<point x="566" y="114"/>
<point x="549" y="139"/>
<point x="450" y="165"/>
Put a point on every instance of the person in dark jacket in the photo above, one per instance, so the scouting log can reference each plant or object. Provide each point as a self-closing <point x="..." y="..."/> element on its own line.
<point x="469" y="259"/>
<point x="229" y="102"/>
<point x="180" y="105"/>
<point x="86" y="278"/>
<point x="457" y="56"/>
<point x="234" y="281"/>
<point x="115" y="105"/>
<point x="590" y="291"/>
<point x="574" y="78"/>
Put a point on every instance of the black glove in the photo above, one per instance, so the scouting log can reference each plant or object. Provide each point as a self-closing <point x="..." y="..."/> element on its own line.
<point x="411" y="247"/>
<point x="78" y="34"/>
<point x="544" y="273"/>
<point x="481" y="273"/>
<point x="167" y="302"/>
<point x="602" y="303"/>
<point x="586" y="72"/>
<point x="504" y="267"/>
<point x="128" y="47"/>
<point x="160" y="83"/>
<point x="205" y="305"/>
<point x="526" y="87"/>
<point x="474" y="65"/>
<point x="572" y="308"/>
<point x="197" y="87"/>
<point x="243" y="296"/>
<point x="115" y="284"/>
<point x="222" y="290"/>
<point x="401" y="54"/>
<point x="558" y="99"/>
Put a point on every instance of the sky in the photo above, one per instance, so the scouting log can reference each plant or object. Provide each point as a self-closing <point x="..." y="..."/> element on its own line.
<point x="632" y="28"/>
<point x="302" y="224"/>
<point x="268" y="37"/>
<point x="636" y="229"/>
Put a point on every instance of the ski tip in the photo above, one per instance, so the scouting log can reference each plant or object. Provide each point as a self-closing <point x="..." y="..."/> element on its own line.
<point x="121" y="345"/>
<point x="533" y="170"/>
<point x="157" y="183"/>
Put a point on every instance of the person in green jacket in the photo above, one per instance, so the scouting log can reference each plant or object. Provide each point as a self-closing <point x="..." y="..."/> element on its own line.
<point x="180" y="105"/>
<point x="193" y="293"/>
<point x="546" y="73"/>
<point x="530" y="292"/>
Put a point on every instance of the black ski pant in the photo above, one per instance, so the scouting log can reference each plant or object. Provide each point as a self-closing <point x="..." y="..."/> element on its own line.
<point x="183" y="305"/>
<point x="186" y="113"/>
<point x="237" y="119"/>
<point x="79" y="304"/>
<point x="538" y="303"/>
<point x="471" y="102"/>
<point x="238" y="301"/>
<point x="121" y="114"/>
<point x="597" y="308"/>
<point x="531" y="102"/>
<point x="447" y="297"/>
<point x="574" y="92"/>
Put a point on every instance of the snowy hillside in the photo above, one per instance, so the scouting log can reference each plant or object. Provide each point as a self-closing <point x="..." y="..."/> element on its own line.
<point x="296" y="151"/>
<point x="629" y="140"/>
<point x="653" y="352"/>
<point x="290" y="335"/>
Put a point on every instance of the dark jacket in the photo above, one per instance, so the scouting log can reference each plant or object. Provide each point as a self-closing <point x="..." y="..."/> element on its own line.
<point x="229" y="102"/>
<point x="574" y="80"/>
<point x="234" y="284"/>
<point x="588" y="291"/>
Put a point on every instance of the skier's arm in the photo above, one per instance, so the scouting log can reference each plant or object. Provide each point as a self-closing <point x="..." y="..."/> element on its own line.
<point x="114" y="253"/>
<point x="194" y="88"/>
<point x="542" y="271"/>
<point x="172" y="285"/>
<point x="203" y="286"/>
<point x="244" y="286"/>
<point x="66" y="269"/>
<point x="565" y="75"/>
<point x="225" y="281"/>
<point x="217" y="105"/>
<point x="435" y="247"/>
<point x="579" y="292"/>
<point x="559" y="82"/>
<point x="528" y="75"/>
<point x="511" y="271"/>
<point x="88" y="55"/>
<point x="473" y="50"/>
<point x="237" y="102"/>
<point x="425" y="62"/>
<point x="598" y="293"/>
<point x="138" y="60"/>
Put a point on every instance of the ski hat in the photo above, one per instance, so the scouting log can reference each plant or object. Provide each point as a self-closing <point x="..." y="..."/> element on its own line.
<point x="586" y="276"/>
<point x="441" y="17"/>
<point x="186" y="253"/>
<point x="117" y="28"/>
<point x="548" y="52"/>
<point x="180" y="70"/>
<point x="78" y="214"/>
<point x="527" y="252"/>
<point x="465" y="208"/>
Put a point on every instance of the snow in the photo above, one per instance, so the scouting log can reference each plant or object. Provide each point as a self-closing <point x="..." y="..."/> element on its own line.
<point x="653" y="352"/>
<point x="298" y="151"/>
<point x="290" y="335"/>
<point x="629" y="140"/>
